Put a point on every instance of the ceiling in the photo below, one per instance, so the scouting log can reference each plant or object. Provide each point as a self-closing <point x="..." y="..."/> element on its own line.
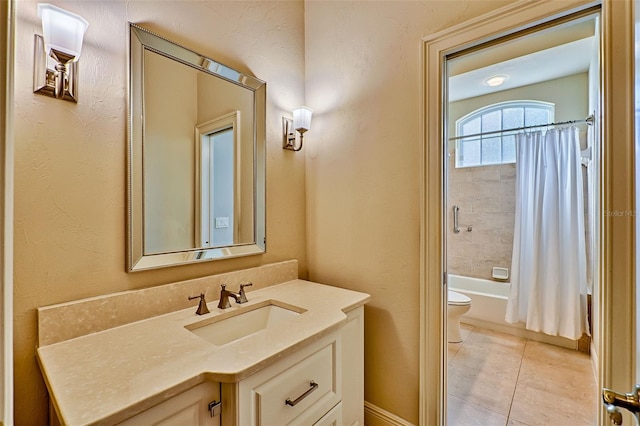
<point x="529" y="57"/>
<point x="559" y="61"/>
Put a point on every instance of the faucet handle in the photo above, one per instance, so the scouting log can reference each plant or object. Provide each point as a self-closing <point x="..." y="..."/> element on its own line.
<point x="242" y="294"/>
<point x="202" y="305"/>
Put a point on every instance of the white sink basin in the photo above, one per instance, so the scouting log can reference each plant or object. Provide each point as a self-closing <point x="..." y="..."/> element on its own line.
<point x="235" y="325"/>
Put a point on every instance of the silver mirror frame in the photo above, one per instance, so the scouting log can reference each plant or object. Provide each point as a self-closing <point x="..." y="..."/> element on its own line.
<point x="139" y="41"/>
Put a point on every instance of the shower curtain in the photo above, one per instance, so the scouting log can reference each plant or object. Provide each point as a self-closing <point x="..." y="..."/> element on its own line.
<point x="548" y="279"/>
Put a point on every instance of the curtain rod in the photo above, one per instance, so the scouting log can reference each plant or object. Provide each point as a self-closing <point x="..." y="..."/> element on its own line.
<point x="589" y="120"/>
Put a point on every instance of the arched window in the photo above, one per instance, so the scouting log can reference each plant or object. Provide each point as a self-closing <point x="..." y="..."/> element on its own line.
<point x="497" y="148"/>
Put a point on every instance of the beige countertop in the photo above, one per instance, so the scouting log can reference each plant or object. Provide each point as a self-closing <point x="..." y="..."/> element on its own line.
<point x="108" y="376"/>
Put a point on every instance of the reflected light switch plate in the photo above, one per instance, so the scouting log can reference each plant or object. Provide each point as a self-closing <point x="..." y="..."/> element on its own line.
<point x="222" y="222"/>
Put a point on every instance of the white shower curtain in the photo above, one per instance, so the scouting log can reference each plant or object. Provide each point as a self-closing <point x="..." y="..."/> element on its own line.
<point x="548" y="279"/>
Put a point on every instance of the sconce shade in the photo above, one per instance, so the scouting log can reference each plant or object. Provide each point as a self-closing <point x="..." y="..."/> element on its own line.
<point x="302" y="119"/>
<point x="63" y="31"/>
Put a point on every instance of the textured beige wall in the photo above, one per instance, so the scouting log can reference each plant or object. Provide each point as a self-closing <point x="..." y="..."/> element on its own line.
<point x="70" y="201"/>
<point x="363" y="78"/>
<point x="486" y="195"/>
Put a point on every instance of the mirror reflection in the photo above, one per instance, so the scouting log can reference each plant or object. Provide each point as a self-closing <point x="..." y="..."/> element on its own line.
<point x="196" y="155"/>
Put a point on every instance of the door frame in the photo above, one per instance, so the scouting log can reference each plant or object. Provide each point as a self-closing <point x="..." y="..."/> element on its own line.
<point x="7" y="14"/>
<point x="616" y="344"/>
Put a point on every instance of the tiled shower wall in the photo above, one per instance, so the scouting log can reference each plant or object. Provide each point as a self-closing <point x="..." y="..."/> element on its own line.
<point x="486" y="197"/>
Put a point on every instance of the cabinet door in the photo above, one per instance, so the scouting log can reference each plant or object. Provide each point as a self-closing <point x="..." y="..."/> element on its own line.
<point x="332" y="418"/>
<point x="188" y="408"/>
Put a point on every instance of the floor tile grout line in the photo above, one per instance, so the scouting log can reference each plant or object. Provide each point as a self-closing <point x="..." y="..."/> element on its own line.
<point x="461" y="345"/>
<point x="465" y="340"/>
<point x="515" y="388"/>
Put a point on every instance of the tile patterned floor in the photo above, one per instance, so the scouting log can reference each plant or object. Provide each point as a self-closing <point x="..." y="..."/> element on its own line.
<point x="499" y="379"/>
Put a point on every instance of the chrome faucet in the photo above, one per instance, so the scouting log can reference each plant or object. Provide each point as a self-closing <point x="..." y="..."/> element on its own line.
<point x="224" y="297"/>
<point x="202" y="306"/>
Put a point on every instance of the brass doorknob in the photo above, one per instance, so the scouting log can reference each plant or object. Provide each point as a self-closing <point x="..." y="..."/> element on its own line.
<point x="614" y="414"/>
<point x="628" y="401"/>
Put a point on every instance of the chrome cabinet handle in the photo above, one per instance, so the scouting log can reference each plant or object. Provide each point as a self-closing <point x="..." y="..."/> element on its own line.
<point x="293" y="403"/>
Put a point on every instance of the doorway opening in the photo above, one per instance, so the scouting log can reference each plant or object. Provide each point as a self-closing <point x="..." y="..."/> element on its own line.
<point x="615" y="124"/>
<point x="446" y="45"/>
<point x="509" y="346"/>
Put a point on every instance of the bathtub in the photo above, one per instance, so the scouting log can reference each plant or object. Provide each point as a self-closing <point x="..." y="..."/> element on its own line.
<point x="489" y="306"/>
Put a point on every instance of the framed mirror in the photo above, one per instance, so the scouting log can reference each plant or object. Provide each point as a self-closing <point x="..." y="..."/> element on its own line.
<point x="196" y="157"/>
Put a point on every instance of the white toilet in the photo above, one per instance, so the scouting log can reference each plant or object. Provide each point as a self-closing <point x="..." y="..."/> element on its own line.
<point x="457" y="305"/>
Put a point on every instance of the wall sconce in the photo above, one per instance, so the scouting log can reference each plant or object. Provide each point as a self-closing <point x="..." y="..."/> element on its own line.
<point x="62" y="41"/>
<point x="301" y="123"/>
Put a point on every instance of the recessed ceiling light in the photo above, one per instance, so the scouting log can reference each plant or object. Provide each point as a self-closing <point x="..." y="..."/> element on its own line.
<point x="496" y="80"/>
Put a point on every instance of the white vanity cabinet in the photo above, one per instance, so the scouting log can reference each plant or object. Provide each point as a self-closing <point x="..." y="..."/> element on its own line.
<point x="190" y="407"/>
<point x="332" y="418"/>
<point x="187" y="408"/>
<point x="298" y="389"/>
<point x="320" y="384"/>
<point x="307" y="370"/>
<point x="353" y="369"/>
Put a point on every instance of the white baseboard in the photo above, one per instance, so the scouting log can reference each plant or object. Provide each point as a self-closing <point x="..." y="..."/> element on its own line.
<point x="518" y="330"/>
<point x="376" y="416"/>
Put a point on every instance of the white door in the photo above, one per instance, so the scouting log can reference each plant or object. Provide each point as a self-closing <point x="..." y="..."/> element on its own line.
<point x="616" y="397"/>
<point x="218" y="184"/>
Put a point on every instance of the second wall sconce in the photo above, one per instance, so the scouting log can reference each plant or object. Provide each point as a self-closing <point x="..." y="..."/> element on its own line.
<point x="301" y="123"/>
<point x="63" y="32"/>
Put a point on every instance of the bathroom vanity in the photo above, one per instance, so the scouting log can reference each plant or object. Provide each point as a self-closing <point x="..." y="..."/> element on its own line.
<point x="293" y="354"/>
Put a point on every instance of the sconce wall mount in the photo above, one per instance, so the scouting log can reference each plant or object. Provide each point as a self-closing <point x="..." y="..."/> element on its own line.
<point x="289" y="141"/>
<point x="44" y="77"/>
<point x="301" y="123"/>
<point x="56" y="53"/>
